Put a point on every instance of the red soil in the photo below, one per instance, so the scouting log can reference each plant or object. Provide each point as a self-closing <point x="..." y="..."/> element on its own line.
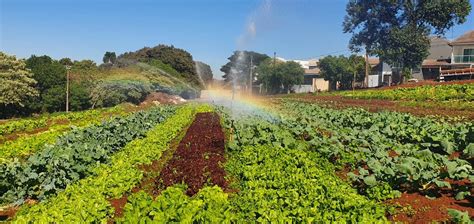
<point x="7" y="213"/>
<point x="199" y="157"/>
<point x="13" y="136"/>
<point x="420" y="209"/>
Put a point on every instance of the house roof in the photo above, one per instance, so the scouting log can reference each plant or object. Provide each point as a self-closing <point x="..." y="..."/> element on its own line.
<point x="374" y="62"/>
<point x="313" y="62"/>
<point x="466" y="38"/>
<point x="312" y="71"/>
<point x="427" y="63"/>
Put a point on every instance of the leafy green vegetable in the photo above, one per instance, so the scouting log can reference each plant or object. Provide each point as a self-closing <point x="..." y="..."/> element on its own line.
<point x="87" y="199"/>
<point x="73" y="156"/>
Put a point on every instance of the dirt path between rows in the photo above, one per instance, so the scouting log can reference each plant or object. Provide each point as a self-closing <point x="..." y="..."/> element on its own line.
<point x="197" y="160"/>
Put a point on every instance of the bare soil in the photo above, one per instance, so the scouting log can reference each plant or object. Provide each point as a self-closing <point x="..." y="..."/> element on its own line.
<point x="162" y="98"/>
<point x="420" y="209"/>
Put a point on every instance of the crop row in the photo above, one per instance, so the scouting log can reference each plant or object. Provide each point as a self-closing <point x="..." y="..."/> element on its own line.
<point x="400" y="150"/>
<point x="22" y="125"/>
<point x="87" y="199"/>
<point x="277" y="179"/>
<point x="73" y="156"/>
<point x="27" y="144"/>
<point x="461" y="92"/>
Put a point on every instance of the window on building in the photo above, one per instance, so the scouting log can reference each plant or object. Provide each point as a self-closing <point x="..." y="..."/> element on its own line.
<point x="469" y="51"/>
<point x="468" y="55"/>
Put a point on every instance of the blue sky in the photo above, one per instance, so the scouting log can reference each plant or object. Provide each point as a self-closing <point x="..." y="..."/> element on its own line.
<point x="209" y="29"/>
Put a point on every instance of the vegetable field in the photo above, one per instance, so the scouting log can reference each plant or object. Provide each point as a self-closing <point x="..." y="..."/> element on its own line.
<point x="286" y="161"/>
<point x="441" y="100"/>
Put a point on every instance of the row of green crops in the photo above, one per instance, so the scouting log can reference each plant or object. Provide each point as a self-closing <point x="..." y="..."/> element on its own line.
<point x="73" y="156"/>
<point x="280" y="179"/>
<point x="87" y="199"/>
<point x="436" y="135"/>
<point x="27" y="144"/>
<point x="462" y="92"/>
<point x="21" y="125"/>
<point x="276" y="178"/>
<point x="388" y="150"/>
<point x="209" y="205"/>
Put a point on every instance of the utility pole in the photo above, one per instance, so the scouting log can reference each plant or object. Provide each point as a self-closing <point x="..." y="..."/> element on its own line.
<point x="274" y="59"/>
<point x="274" y="64"/>
<point x="251" y="75"/>
<point x="366" y="80"/>
<point x="67" y="87"/>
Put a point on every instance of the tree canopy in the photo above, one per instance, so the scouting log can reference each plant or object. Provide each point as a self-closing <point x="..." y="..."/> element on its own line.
<point x="237" y="70"/>
<point x="179" y="59"/>
<point x="47" y="72"/>
<point x="342" y="69"/>
<point x="17" y="83"/>
<point x="205" y="71"/>
<point x="109" y="58"/>
<point x="398" y="31"/>
<point x="280" y="76"/>
<point x="51" y="83"/>
<point x="66" y="61"/>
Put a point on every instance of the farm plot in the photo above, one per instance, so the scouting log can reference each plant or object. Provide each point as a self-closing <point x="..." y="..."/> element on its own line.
<point x="454" y="100"/>
<point x="14" y="128"/>
<point x="72" y="157"/>
<point x="21" y="144"/>
<point x="88" y="200"/>
<point x="299" y="163"/>
<point x="272" y="178"/>
<point x="384" y="154"/>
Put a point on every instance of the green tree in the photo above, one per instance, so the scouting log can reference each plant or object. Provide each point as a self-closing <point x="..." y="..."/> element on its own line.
<point x="237" y="70"/>
<point x="179" y="59"/>
<point x="342" y="70"/>
<point x="205" y="71"/>
<point x="51" y="78"/>
<point x="66" y="61"/>
<point x="356" y="67"/>
<point x="17" y="83"/>
<point x="279" y="77"/>
<point x="397" y="31"/>
<point x="47" y="72"/>
<point x="109" y="58"/>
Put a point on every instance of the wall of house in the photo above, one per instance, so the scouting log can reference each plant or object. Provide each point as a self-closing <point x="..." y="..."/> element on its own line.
<point x="375" y="81"/>
<point x="303" y="89"/>
<point x="459" y="50"/>
<point x="319" y="84"/>
<point x="439" y="49"/>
